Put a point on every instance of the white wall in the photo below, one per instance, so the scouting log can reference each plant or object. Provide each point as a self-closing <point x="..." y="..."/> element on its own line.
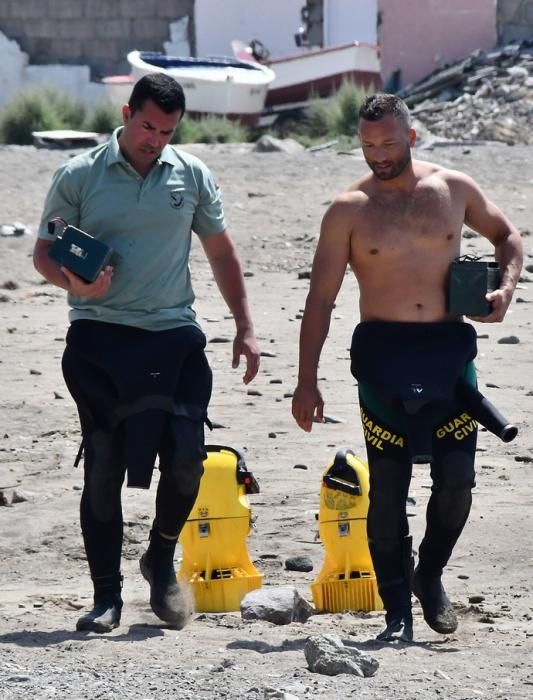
<point x="350" y="20"/>
<point x="273" y="22"/>
<point x="17" y="75"/>
<point x="13" y="62"/>
<point x="75" y="81"/>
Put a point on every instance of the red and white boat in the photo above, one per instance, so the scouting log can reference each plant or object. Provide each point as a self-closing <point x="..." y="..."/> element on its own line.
<point x="316" y="72"/>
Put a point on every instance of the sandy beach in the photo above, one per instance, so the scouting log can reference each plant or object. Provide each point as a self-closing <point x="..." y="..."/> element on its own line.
<point x="274" y="203"/>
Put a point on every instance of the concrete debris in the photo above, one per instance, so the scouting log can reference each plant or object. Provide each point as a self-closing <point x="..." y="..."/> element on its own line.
<point x="270" y="144"/>
<point x="15" y="229"/>
<point x="278" y="604"/>
<point x="275" y="694"/>
<point x="327" y="654"/>
<point x="488" y="96"/>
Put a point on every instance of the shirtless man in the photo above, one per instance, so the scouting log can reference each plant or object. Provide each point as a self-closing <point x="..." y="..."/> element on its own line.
<point x="399" y="228"/>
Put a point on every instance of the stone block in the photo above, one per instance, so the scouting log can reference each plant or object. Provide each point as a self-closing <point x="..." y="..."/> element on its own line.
<point x="69" y="52"/>
<point x="42" y="50"/>
<point x="150" y="28"/>
<point x="13" y="29"/>
<point x="77" y="29"/>
<point x="64" y="9"/>
<point x="7" y="11"/>
<point x="28" y="9"/>
<point x="40" y="28"/>
<point x="509" y="10"/>
<point x="135" y="9"/>
<point x="104" y="9"/>
<point x="103" y="51"/>
<point x="115" y="28"/>
<point x="174" y="9"/>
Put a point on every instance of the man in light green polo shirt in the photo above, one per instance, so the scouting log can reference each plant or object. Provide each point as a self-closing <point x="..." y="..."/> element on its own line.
<point x="134" y="360"/>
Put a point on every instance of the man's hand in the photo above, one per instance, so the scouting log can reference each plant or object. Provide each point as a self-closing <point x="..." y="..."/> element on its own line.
<point x="246" y="344"/>
<point x="500" y="300"/>
<point x="307" y="406"/>
<point x="96" y="289"/>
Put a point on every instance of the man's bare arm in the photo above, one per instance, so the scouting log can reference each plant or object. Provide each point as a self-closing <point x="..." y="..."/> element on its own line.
<point x="227" y="272"/>
<point x="329" y="265"/>
<point x="487" y="219"/>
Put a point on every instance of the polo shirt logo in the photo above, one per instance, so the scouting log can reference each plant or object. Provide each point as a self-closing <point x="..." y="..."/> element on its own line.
<point x="176" y="199"/>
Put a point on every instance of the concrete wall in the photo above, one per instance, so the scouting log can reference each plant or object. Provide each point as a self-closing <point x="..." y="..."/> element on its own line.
<point x="98" y="33"/>
<point x="515" y="20"/>
<point x="274" y="23"/>
<point x="346" y="21"/>
<point x="419" y="36"/>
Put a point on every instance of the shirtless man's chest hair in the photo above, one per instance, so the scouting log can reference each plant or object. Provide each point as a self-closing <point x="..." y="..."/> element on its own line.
<point x="402" y="243"/>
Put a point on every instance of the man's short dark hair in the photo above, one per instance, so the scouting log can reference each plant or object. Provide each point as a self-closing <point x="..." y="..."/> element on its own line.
<point x="162" y="89"/>
<point x="381" y="105"/>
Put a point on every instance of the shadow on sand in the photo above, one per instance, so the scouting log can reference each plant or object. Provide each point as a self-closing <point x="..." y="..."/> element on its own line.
<point x="37" y="638"/>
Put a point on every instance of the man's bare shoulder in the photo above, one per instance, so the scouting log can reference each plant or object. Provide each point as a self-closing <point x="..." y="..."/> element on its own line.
<point x="344" y="209"/>
<point x="360" y="190"/>
<point x="424" y="170"/>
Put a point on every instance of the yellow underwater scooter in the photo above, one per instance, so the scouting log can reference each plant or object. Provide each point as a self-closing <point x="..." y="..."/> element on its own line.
<point x="215" y="557"/>
<point x="347" y="580"/>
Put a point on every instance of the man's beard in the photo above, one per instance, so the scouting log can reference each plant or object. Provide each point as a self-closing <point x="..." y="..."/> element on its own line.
<point x="393" y="169"/>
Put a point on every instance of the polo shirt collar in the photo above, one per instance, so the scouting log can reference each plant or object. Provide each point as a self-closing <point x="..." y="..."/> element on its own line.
<point x="114" y="154"/>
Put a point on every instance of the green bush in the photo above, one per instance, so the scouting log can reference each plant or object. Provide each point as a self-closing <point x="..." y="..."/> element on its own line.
<point x="71" y="112"/>
<point x="334" y="118"/>
<point x="210" y="129"/>
<point x="28" y="112"/>
<point x="48" y="109"/>
<point x="318" y="122"/>
<point x="39" y="110"/>
<point x="104" y="118"/>
<point x="345" y="108"/>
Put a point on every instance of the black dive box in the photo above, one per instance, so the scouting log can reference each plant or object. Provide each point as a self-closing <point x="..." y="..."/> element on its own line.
<point x="468" y="283"/>
<point x="79" y="252"/>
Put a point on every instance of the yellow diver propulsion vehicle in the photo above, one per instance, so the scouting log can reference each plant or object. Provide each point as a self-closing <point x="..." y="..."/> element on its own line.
<point x="347" y="580"/>
<point x="215" y="557"/>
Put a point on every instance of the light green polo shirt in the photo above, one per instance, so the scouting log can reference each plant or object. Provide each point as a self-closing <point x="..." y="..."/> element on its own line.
<point x="148" y="223"/>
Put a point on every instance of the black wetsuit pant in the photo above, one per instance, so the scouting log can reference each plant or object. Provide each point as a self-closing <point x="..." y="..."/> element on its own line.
<point x="179" y="439"/>
<point x="101" y="504"/>
<point x="390" y="466"/>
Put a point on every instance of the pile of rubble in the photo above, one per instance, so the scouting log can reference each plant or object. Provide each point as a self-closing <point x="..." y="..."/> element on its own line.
<point x="488" y="96"/>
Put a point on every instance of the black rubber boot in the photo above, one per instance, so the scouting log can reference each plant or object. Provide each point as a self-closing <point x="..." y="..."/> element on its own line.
<point x="396" y="592"/>
<point x="105" y="616"/>
<point x="438" y="611"/>
<point x="171" y="601"/>
<point x="399" y="626"/>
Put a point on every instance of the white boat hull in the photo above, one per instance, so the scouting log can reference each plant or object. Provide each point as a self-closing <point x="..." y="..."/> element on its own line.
<point x="227" y="90"/>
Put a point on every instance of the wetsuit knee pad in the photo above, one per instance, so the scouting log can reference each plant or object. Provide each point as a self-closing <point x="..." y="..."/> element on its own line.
<point x="184" y="461"/>
<point x="389" y="486"/>
<point x="453" y="488"/>
<point x="104" y="475"/>
<point x="455" y="470"/>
